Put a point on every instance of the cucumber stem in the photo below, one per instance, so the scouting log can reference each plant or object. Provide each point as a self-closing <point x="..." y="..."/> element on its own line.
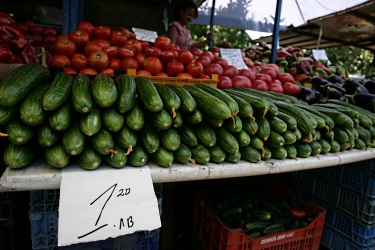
<point x="130" y="148"/>
<point x="174" y="114"/>
<point x="3" y="135"/>
<point x="192" y="160"/>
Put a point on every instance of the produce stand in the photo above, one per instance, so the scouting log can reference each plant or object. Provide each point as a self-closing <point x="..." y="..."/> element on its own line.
<point x="40" y="176"/>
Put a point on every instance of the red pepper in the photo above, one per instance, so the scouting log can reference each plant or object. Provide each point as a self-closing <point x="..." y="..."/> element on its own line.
<point x="5" y="18"/>
<point x="28" y="54"/>
<point x="305" y="67"/>
<point x="5" y="53"/>
<point x="15" y="59"/>
<point x="12" y="37"/>
<point x="319" y="64"/>
<point x="297" y="213"/>
<point x="282" y="53"/>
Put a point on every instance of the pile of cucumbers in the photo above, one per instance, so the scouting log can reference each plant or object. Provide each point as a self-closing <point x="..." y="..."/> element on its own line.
<point x="126" y="121"/>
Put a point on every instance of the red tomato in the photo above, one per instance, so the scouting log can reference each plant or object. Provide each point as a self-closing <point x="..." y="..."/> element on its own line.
<point x="49" y="39"/>
<point x="107" y="71"/>
<point x="213" y="68"/>
<point x="145" y="44"/>
<point x="195" y="69"/>
<point x="153" y="65"/>
<point x="102" y="32"/>
<point x="88" y="71"/>
<point x="134" y="45"/>
<point x="204" y="60"/>
<point x="174" y="68"/>
<point x="79" y="38"/>
<point x="204" y="76"/>
<point x="129" y="63"/>
<point x="60" y="61"/>
<point x="208" y="54"/>
<point x="223" y="62"/>
<point x="92" y="47"/>
<point x="249" y="73"/>
<point x="86" y="26"/>
<point x="65" y="47"/>
<point x="230" y="71"/>
<point x="167" y="56"/>
<point x="285" y="77"/>
<point x="36" y="39"/>
<point x="118" y="38"/>
<point x="103" y="43"/>
<point x="241" y="82"/>
<point x="271" y="71"/>
<point x="152" y="51"/>
<point x="70" y="71"/>
<point x="275" y="87"/>
<point x="162" y="42"/>
<point x="143" y="72"/>
<point x="196" y="51"/>
<point x="49" y="31"/>
<point x="276" y="81"/>
<point x="98" y="60"/>
<point x="264" y="77"/>
<point x="36" y="29"/>
<point x="249" y="63"/>
<point x="260" y="85"/>
<point x="62" y="37"/>
<point x="224" y="82"/>
<point x="140" y="58"/>
<point x="184" y="75"/>
<point x="128" y="33"/>
<point x="297" y="213"/>
<point x="291" y="89"/>
<point x="125" y="52"/>
<point x="162" y="74"/>
<point x="30" y="23"/>
<point x="114" y="64"/>
<point x="80" y="61"/>
<point x="185" y="56"/>
<point x="275" y="66"/>
<point x="111" y="51"/>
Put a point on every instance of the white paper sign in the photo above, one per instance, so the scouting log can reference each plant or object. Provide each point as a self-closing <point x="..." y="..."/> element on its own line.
<point x="145" y="35"/>
<point x="234" y="57"/>
<point x="107" y="202"/>
<point x="320" y="54"/>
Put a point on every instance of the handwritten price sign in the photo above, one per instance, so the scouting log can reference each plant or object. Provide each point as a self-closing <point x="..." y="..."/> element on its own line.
<point x="105" y="203"/>
<point x="145" y="35"/>
<point x="234" y="57"/>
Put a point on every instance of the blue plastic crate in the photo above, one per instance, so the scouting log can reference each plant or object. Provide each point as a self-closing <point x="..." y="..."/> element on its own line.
<point x="43" y="201"/>
<point x="44" y="228"/>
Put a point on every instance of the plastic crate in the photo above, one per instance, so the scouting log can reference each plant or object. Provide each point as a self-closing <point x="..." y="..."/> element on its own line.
<point x="44" y="201"/>
<point x="213" y="234"/>
<point x="360" y="207"/>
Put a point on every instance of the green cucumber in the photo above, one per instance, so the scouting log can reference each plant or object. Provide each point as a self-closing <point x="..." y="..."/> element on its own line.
<point x="31" y="108"/>
<point x="303" y="149"/>
<point x="213" y="122"/>
<point x="233" y="157"/>
<point x="217" y="154"/>
<point x="188" y="103"/>
<point x="73" y="140"/>
<point x="245" y="108"/>
<point x="18" y="156"/>
<point x="148" y="94"/>
<point x="126" y="93"/>
<point x="188" y="136"/>
<point x="7" y="114"/>
<point x="103" y="142"/>
<point x="289" y="137"/>
<point x="316" y="147"/>
<point x="46" y="136"/>
<point x="250" y="126"/>
<point x="177" y="120"/>
<point x="273" y="228"/>
<point x="112" y="119"/>
<point x="161" y="119"/>
<point x="279" y="153"/>
<point x="18" y="132"/>
<point x="81" y="94"/>
<point x="290" y="121"/>
<point x="233" y="125"/>
<point x="126" y="138"/>
<point x="250" y="154"/>
<point x="104" y="90"/>
<point x="266" y="153"/>
<point x="291" y="151"/>
<point x="135" y="118"/>
<point x="182" y="154"/>
<point x="162" y="157"/>
<point x="91" y="122"/>
<point x="205" y="134"/>
<point x="243" y="138"/>
<point x="58" y="91"/>
<point x="171" y="101"/>
<point x="193" y="117"/>
<point x="335" y="146"/>
<point x="326" y="146"/>
<point x="56" y="156"/>
<point x="226" y="140"/>
<point x="275" y="140"/>
<point x="264" y="128"/>
<point x="89" y="159"/>
<point x="277" y="124"/>
<point x="170" y="139"/>
<point x="137" y="157"/>
<point x="149" y="138"/>
<point x="61" y="118"/>
<point x="200" y="154"/>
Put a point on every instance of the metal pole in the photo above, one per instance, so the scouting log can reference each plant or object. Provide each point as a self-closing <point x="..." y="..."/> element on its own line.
<point x="212" y="22"/>
<point x="276" y="29"/>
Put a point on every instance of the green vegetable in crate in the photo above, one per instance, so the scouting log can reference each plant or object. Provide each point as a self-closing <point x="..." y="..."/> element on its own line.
<point x="31" y="109"/>
<point x="17" y="132"/>
<point x="213" y="122"/>
<point x="188" y="103"/>
<point x="289" y="137"/>
<point x="177" y="120"/>
<point x="46" y="136"/>
<point x="326" y="147"/>
<point x="275" y="140"/>
<point x="243" y="138"/>
<point x="162" y="157"/>
<point x="205" y="134"/>
<point x="113" y="120"/>
<point x="126" y="138"/>
<point x="335" y="146"/>
<point x="250" y="154"/>
<point x="273" y="228"/>
<point x="58" y="91"/>
<point x="182" y="154"/>
<point x="188" y="136"/>
<point x="277" y="124"/>
<point x="233" y="157"/>
<point x="126" y="92"/>
<point x="209" y="104"/>
<point x="56" y="156"/>
<point x="257" y="225"/>
<point x="19" y="156"/>
<point x="138" y="157"/>
<point x="117" y="160"/>
<point x="245" y="108"/>
<point x="264" y="128"/>
<point x="170" y="139"/>
<point x="200" y="154"/>
<point x="316" y="147"/>
<point x="233" y="125"/>
<point x="148" y="94"/>
<point x="81" y="94"/>
<point x="303" y="149"/>
<point x="91" y="122"/>
<point x="257" y="143"/>
<point x="291" y="151"/>
<point x="359" y="144"/>
<point x="160" y="120"/>
<point x="194" y="117"/>
<point x="217" y="154"/>
<point x="61" y="118"/>
<point x="7" y="114"/>
<point x="73" y="140"/>
<point x="290" y="121"/>
<point x="135" y="118"/>
<point x="266" y="153"/>
<point x="149" y="138"/>
<point x="103" y="142"/>
<point x="89" y="159"/>
<point x="279" y="152"/>
<point x="18" y="83"/>
<point x="250" y="126"/>
<point x="104" y="90"/>
<point x="260" y="105"/>
<point x="171" y="101"/>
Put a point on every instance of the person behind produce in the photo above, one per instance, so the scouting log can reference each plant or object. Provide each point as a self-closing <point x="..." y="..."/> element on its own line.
<point x="185" y="12"/>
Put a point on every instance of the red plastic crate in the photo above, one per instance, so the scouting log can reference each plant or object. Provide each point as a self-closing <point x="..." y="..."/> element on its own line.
<point x="214" y="235"/>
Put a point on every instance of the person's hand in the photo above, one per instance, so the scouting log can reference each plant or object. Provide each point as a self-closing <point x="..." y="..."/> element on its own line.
<point x="210" y="37"/>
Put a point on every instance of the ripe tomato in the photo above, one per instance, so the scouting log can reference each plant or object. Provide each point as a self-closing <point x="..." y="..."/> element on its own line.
<point x="208" y="54"/>
<point x="185" y="75"/>
<point x="260" y="85"/>
<point x="88" y="71"/>
<point x="285" y="77"/>
<point x="129" y="63"/>
<point x="167" y="56"/>
<point x="185" y="56"/>
<point x="62" y="37"/>
<point x="249" y="73"/>
<point x="92" y="47"/>
<point x="152" y="51"/>
<point x="223" y="62"/>
<point x="140" y="58"/>
<point x="60" y="61"/>
<point x="224" y="82"/>
<point x="103" y="43"/>
<point x="79" y="38"/>
<point x="125" y="52"/>
<point x="249" y="63"/>
<point x="297" y="213"/>
<point x="86" y="26"/>
<point x="268" y="70"/>
<point x="118" y="38"/>
<point x="195" y="69"/>
<point x="102" y="32"/>
<point x="36" y="29"/>
<point x="145" y="44"/>
<point x="153" y="65"/>
<point x="162" y="74"/>
<point x="143" y="72"/>
<point x="114" y="64"/>
<point x="98" y="60"/>
<point x="70" y="71"/>
<point x="108" y="71"/>
<point x="230" y="71"/>
<point x="162" y="42"/>
<point x="65" y="47"/>
<point x="264" y="77"/>
<point x="291" y="89"/>
<point x="241" y="82"/>
<point x="213" y="68"/>
<point x="134" y="45"/>
<point x="174" y="68"/>
<point x="204" y="60"/>
<point x="111" y="51"/>
<point x="80" y="61"/>
<point x="275" y="66"/>
<point x="36" y="39"/>
<point x="196" y="51"/>
<point x="204" y="76"/>
<point x="49" y="31"/>
<point x="49" y="39"/>
<point x="275" y="87"/>
<point x="128" y="33"/>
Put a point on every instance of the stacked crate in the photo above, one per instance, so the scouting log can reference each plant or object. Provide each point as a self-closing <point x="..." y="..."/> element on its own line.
<point x="347" y="193"/>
